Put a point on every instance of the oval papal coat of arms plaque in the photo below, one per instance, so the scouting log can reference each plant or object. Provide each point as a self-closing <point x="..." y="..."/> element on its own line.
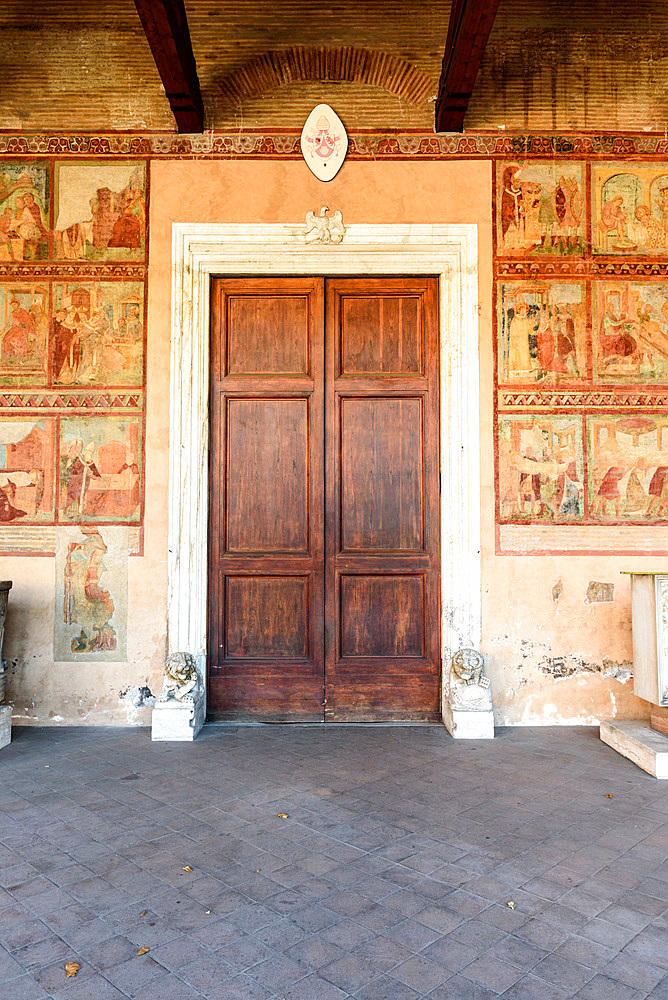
<point x="324" y="142"/>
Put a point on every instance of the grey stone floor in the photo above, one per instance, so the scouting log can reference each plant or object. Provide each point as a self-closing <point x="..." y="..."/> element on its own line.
<point x="391" y="878"/>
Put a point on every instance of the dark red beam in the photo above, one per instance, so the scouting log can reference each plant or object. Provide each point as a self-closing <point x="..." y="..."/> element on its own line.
<point x="166" y="28"/>
<point x="468" y="31"/>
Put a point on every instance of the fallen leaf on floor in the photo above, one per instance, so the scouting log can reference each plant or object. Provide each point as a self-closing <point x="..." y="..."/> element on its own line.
<point x="143" y="951"/>
<point x="282" y="816"/>
<point x="511" y="905"/>
<point x="187" y="868"/>
<point x="71" y="968"/>
<point x="608" y="796"/>
<point x="257" y="871"/>
<point x="143" y="913"/>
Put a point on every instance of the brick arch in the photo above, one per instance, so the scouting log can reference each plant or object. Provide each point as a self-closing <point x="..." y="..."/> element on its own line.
<point x="342" y="64"/>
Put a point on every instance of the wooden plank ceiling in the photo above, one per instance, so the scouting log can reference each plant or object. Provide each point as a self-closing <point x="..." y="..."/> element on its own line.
<point x="548" y="65"/>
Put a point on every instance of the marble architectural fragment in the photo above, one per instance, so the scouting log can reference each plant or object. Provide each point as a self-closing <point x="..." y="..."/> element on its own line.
<point x="467" y="699"/>
<point x="179" y="711"/>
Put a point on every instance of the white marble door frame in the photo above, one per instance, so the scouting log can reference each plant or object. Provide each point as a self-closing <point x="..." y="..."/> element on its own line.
<point x="202" y="251"/>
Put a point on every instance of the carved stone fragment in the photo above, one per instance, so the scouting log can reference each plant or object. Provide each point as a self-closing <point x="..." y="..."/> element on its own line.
<point x="467" y="700"/>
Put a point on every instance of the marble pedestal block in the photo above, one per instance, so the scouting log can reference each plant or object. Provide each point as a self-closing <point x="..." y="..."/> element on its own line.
<point x="178" y="720"/>
<point x="468" y="725"/>
<point x="641" y="744"/>
<point x="5" y="725"/>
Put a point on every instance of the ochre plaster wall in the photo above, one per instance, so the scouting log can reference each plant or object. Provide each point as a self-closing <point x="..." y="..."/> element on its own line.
<point x="526" y="633"/>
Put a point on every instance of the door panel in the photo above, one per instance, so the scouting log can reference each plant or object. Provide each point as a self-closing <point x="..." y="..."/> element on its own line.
<point x="324" y="587"/>
<point x="267" y="519"/>
<point x="251" y="352"/>
<point x="266" y="616"/>
<point x="398" y="344"/>
<point x="382" y="545"/>
<point x="381" y="473"/>
<point x="267" y="486"/>
<point x="382" y="615"/>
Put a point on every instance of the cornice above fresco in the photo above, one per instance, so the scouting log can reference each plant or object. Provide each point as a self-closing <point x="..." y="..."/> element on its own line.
<point x="362" y="146"/>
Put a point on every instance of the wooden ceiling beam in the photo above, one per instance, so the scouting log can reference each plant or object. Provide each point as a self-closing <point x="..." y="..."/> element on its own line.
<point x="468" y="31"/>
<point x="166" y="28"/>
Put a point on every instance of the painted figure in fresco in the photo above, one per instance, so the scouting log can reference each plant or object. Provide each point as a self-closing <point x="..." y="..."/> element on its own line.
<point x="658" y="491"/>
<point x="555" y="342"/>
<point x="65" y="346"/>
<point x="86" y="603"/>
<point x="615" y="333"/>
<point x="531" y="200"/>
<point x="519" y="351"/>
<point x="129" y="227"/>
<point x="569" y="489"/>
<point x="93" y="333"/>
<point x="77" y="469"/>
<point x="22" y="232"/>
<point x="663" y="206"/>
<point x="512" y="218"/>
<point x="529" y="486"/>
<point x="30" y="226"/>
<point x="567" y="202"/>
<point x="545" y="342"/>
<point x="8" y="512"/>
<point x="609" y="491"/>
<point x="27" y="230"/>
<point x="507" y="480"/>
<point x="613" y="219"/>
<point x="574" y="206"/>
<point x="6" y="223"/>
<point x="72" y="241"/>
<point x="648" y="232"/>
<point x="649" y="332"/>
<point x="18" y="337"/>
<point x="565" y="356"/>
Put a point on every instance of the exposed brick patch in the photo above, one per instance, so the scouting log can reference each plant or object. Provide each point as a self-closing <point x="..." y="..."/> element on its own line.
<point x="343" y="63"/>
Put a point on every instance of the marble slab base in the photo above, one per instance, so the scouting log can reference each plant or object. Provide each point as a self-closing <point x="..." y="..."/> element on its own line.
<point x="641" y="744"/>
<point x="5" y="725"/>
<point x="468" y="725"/>
<point x="177" y="720"/>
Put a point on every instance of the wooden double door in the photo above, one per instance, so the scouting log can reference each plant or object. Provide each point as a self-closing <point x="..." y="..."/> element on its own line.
<point x="324" y="499"/>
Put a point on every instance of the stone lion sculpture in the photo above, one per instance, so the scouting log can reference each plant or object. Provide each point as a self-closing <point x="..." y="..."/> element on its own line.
<point x="181" y="677"/>
<point x="468" y="688"/>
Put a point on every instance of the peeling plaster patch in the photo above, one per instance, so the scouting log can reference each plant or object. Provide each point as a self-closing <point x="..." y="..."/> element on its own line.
<point x="547" y="714"/>
<point x="138" y="697"/>
<point x="599" y="592"/>
<point x="566" y="666"/>
<point x="557" y="591"/>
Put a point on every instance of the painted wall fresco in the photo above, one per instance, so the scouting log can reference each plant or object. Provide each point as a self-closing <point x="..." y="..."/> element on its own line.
<point x="581" y="268"/>
<point x="90" y="620"/>
<point x="100" y="211"/>
<point x="541" y="209"/>
<point x="24" y="211"/>
<point x="73" y="255"/>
